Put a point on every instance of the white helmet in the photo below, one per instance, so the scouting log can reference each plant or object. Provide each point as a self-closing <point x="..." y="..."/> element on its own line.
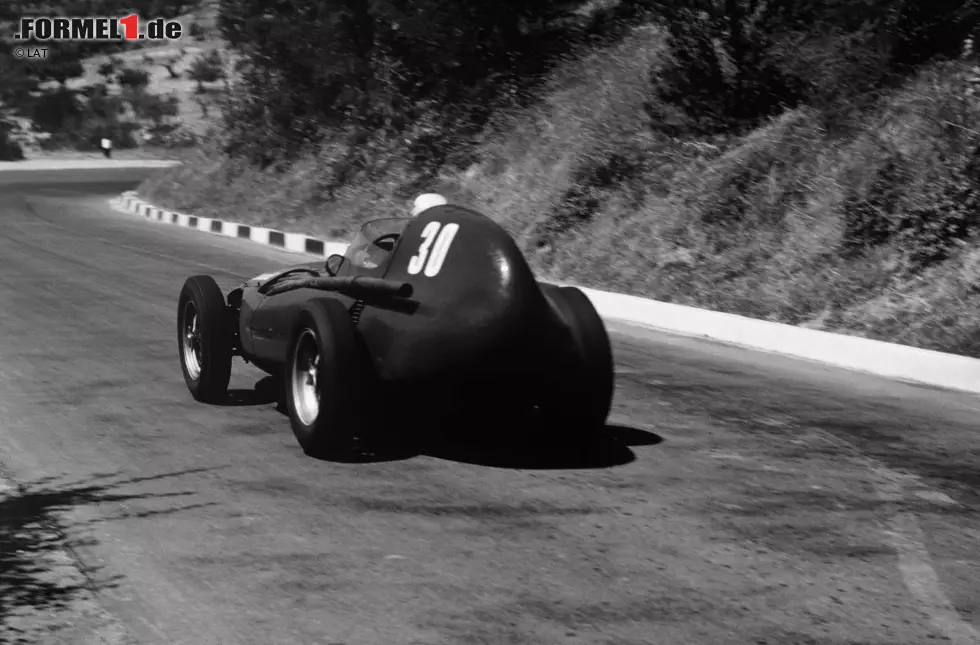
<point x="427" y="201"/>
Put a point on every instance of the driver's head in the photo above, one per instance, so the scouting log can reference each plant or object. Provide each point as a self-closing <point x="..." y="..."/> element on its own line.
<point x="370" y="258"/>
<point x="427" y="201"/>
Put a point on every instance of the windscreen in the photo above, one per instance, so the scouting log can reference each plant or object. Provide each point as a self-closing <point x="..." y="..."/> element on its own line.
<point x="373" y="244"/>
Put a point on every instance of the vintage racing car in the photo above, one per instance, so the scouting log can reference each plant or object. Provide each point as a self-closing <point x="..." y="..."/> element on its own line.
<point x="422" y="317"/>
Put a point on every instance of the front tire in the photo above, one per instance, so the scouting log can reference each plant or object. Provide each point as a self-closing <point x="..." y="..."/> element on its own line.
<point x="203" y="343"/>
<point x="325" y="379"/>
<point x="579" y="402"/>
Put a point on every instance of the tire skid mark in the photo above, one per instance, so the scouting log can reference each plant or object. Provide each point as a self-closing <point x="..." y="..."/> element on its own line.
<point x="915" y="565"/>
<point x="906" y="537"/>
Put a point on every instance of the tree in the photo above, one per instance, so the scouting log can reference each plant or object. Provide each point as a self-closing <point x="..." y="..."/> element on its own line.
<point x="17" y="81"/>
<point x="107" y="71"/>
<point x="204" y="104"/>
<point x="101" y="104"/>
<point x="10" y="149"/>
<point x="133" y="84"/>
<point x="372" y="68"/>
<point x="159" y="109"/>
<point x="56" y="110"/>
<point x="137" y="79"/>
<point x="196" y="31"/>
<point x="207" y="68"/>
<point x="170" y="64"/>
<point x="62" y="63"/>
<point x="731" y="63"/>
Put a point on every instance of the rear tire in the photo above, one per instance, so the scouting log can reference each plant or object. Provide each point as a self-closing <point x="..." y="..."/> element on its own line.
<point x="580" y="400"/>
<point x="325" y="379"/>
<point x="203" y="342"/>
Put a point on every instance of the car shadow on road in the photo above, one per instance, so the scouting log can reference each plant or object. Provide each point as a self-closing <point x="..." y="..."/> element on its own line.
<point x="531" y="450"/>
<point x="497" y="443"/>
<point x="518" y="448"/>
<point x="266" y="391"/>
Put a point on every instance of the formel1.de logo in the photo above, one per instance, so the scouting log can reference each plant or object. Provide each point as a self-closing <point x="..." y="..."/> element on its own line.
<point x="68" y="28"/>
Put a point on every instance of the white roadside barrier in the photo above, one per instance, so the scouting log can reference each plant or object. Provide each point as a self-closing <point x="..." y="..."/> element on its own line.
<point x="890" y="360"/>
<point x="81" y="171"/>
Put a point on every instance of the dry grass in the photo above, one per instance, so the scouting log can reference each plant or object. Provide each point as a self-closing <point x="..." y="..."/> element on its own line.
<point x="209" y="185"/>
<point x="755" y="226"/>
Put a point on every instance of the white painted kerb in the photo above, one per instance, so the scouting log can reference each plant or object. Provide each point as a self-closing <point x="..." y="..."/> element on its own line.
<point x="884" y="359"/>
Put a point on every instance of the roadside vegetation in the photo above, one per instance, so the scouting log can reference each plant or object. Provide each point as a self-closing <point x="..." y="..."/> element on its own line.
<point x="810" y="163"/>
<point x="136" y="94"/>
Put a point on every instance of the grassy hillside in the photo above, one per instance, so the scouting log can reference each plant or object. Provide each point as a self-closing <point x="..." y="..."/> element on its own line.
<point x="871" y="232"/>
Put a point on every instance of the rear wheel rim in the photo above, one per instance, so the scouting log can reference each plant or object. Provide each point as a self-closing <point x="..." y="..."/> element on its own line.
<point x="305" y="378"/>
<point x="190" y="334"/>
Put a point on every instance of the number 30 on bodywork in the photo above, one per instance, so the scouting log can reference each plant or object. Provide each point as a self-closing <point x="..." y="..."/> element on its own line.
<point x="431" y="255"/>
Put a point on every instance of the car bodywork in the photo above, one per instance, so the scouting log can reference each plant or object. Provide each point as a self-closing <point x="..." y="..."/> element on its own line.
<point x="420" y="319"/>
<point x="450" y="302"/>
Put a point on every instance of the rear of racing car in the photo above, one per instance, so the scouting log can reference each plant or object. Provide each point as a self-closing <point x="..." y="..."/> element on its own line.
<point x="487" y="338"/>
<point x="452" y="325"/>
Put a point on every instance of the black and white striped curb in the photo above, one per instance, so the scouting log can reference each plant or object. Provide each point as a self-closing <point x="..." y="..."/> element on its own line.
<point x="890" y="360"/>
<point x="294" y="242"/>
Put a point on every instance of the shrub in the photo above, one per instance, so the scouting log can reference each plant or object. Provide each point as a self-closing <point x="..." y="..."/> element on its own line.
<point x="10" y="149"/>
<point x="129" y="77"/>
<point x="107" y="71"/>
<point x="871" y="209"/>
<point x="56" y="110"/>
<point x="207" y="68"/>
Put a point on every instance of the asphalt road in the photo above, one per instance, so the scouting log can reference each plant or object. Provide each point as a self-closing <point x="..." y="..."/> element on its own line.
<point x="746" y="499"/>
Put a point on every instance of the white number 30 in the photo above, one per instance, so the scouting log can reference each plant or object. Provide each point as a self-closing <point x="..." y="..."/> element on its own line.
<point x="432" y="252"/>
